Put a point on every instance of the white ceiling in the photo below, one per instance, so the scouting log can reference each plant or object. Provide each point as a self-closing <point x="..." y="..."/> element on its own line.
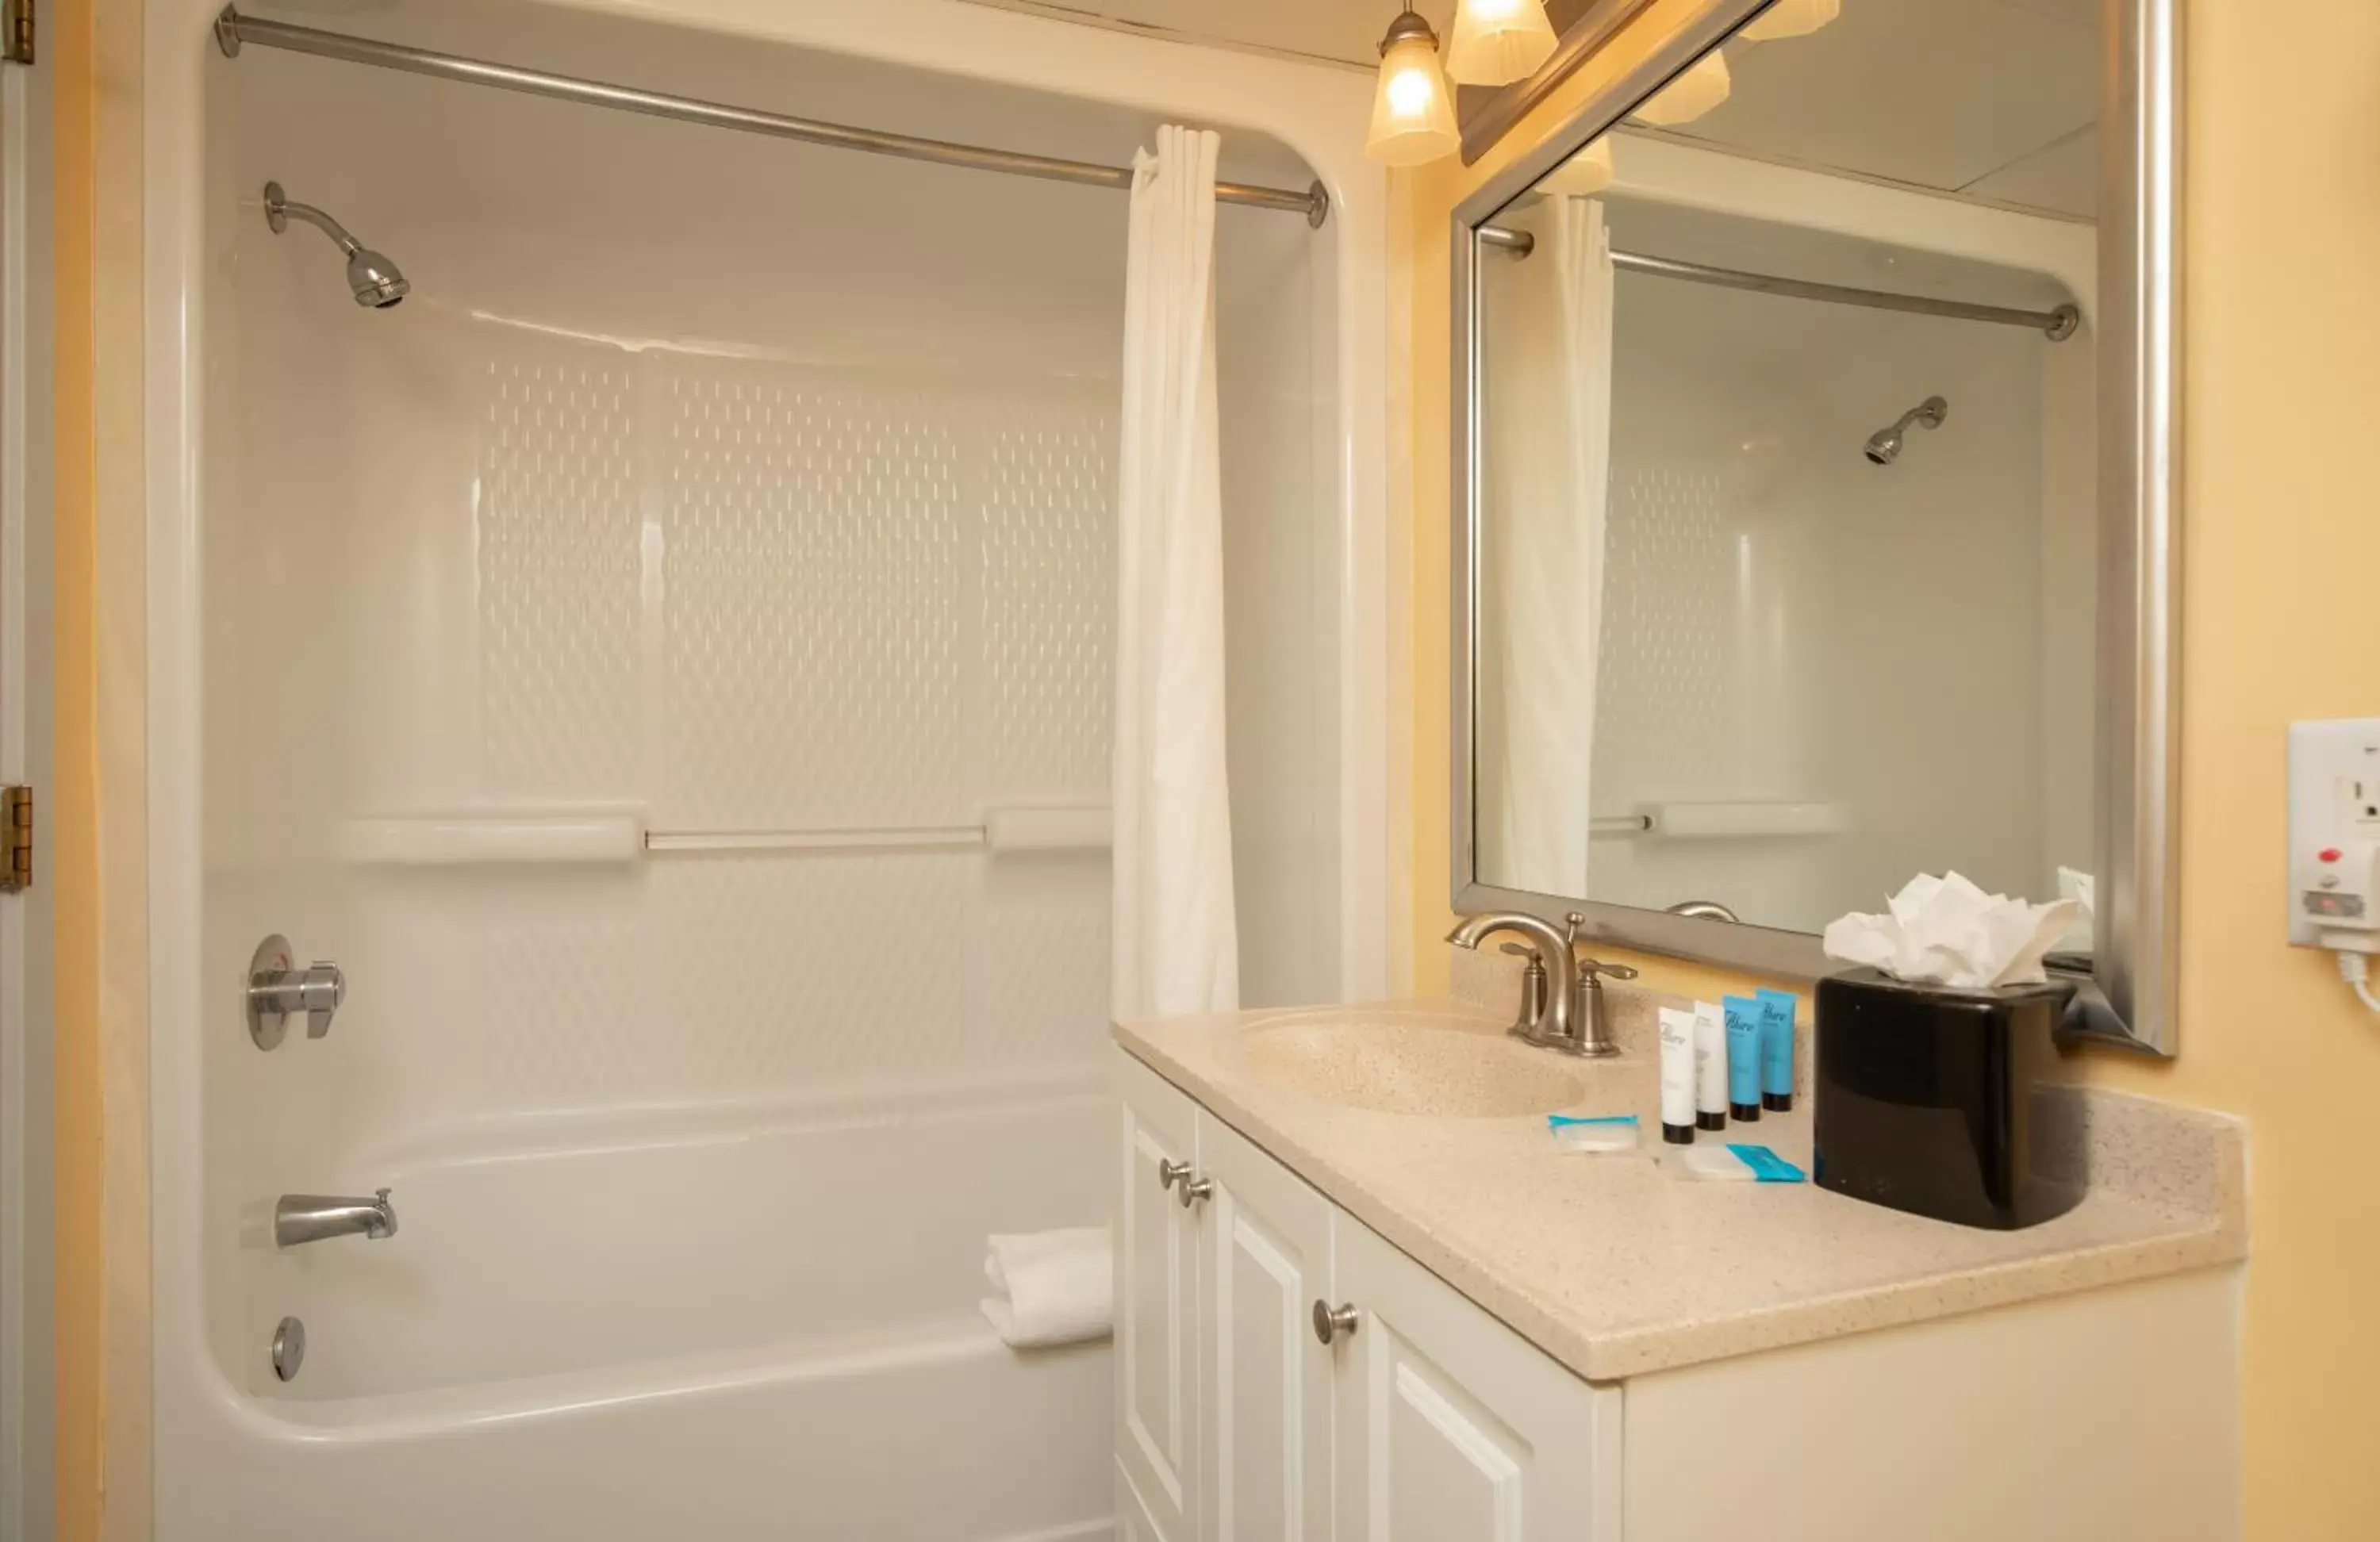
<point x="1996" y="98"/>
<point x="1992" y="98"/>
<point x="1345" y="31"/>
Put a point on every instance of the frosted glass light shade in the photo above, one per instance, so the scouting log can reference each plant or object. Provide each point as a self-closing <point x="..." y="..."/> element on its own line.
<point x="1589" y="171"/>
<point x="1791" y="18"/>
<point x="1412" y="114"/>
<point x="1497" y="41"/>
<point x="1703" y="87"/>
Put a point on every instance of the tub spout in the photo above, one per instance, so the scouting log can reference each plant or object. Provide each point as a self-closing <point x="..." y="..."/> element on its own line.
<point x="303" y="1218"/>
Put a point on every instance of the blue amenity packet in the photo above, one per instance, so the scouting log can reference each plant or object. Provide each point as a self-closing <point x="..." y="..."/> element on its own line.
<point x="1767" y="1166"/>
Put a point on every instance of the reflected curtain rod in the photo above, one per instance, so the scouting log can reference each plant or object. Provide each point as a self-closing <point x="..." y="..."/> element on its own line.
<point x="232" y="30"/>
<point x="2057" y="325"/>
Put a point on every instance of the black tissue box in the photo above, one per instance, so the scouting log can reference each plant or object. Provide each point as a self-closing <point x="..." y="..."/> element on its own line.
<point x="1925" y="1098"/>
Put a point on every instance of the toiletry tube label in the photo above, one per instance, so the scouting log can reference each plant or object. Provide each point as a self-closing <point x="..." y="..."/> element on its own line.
<point x="1710" y="1066"/>
<point x="1777" y="1009"/>
<point x="1744" y="1018"/>
<point x="1677" y="1074"/>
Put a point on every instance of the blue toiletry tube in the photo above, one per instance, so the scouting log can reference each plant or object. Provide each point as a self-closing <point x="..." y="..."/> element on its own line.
<point x="1777" y="1008"/>
<point x="1743" y="1020"/>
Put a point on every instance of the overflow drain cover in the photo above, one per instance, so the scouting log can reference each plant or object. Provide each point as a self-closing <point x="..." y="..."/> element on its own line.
<point x="288" y="1348"/>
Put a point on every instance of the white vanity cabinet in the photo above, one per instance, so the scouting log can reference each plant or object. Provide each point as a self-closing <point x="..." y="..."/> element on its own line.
<point x="1423" y="1419"/>
<point x="2078" y="1415"/>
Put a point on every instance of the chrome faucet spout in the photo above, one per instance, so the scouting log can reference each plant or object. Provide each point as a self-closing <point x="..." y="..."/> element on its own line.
<point x="1559" y="1025"/>
<point x="298" y="1219"/>
<point x="1574" y="1018"/>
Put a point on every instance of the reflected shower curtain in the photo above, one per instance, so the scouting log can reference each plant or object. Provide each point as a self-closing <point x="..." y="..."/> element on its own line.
<point x="1176" y="946"/>
<point x="1550" y="463"/>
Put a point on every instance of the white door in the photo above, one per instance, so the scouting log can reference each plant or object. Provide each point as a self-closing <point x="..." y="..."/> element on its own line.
<point x="1266" y="1377"/>
<point x="26" y="1459"/>
<point x="1157" y="1307"/>
<point x="1452" y="1427"/>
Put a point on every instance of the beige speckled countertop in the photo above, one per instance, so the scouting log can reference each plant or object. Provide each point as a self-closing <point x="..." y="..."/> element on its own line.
<point x="1618" y="1267"/>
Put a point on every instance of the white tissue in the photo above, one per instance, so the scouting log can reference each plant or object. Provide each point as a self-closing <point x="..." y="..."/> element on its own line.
<point x="2083" y="889"/>
<point x="1947" y="931"/>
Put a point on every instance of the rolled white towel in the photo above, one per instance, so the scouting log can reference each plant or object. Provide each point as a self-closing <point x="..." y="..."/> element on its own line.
<point x="1050" y="1287"/>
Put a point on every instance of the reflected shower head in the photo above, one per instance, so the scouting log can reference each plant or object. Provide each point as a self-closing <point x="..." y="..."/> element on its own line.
<point x="1884" y="446"/>
<point x="374" y="280"/>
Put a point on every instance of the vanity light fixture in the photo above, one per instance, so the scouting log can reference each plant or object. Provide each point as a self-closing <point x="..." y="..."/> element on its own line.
<point x="1499" y="41"/>
<point x="1413" y="114"/>
<point x="1791" y="18"/>
<point x="1587" y="171"/>
<point x="1700" y="89"/>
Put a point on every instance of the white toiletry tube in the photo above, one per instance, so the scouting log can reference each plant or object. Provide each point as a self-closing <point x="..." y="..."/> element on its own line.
<point x="1678" y="1075"/>
<point x="1710" y="1066"/>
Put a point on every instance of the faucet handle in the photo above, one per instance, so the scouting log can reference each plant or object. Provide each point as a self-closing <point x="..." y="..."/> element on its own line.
<point x="1595" y="968"/>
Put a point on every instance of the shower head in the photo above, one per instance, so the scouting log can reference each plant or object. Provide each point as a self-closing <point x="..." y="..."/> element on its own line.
<point x="374" y="280"/>
<point x="1884" y="446"/>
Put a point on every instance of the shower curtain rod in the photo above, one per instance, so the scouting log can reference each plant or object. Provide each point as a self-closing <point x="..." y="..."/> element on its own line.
<point x="232" y="30"/>
<point x="2057" y="325"/>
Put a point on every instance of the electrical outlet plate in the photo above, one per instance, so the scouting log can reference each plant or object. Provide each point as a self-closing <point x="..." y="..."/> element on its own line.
<point x="2333" y="805"/>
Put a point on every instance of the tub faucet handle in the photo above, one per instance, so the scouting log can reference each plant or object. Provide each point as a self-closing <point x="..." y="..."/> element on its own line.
<point x="277" y="988"/>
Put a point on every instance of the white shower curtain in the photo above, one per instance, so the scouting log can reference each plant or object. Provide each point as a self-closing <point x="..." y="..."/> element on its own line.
<point x="1550" y="476"/>
<point x="1177" y="947"/>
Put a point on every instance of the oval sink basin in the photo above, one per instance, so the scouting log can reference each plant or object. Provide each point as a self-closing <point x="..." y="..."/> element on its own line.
<point x="1411" y="1068"/>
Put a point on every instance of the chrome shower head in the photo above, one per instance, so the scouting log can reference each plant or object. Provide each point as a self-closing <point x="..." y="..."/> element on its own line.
<point x="376" y="281"/>
<point x="1884" y="446"/>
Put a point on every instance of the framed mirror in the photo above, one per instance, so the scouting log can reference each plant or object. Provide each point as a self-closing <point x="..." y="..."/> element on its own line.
<point x="1817" y="410"/>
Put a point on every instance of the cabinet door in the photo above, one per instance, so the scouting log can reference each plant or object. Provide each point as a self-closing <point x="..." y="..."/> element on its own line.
<point x="1156" y="1301"/>
<point x="1266" y="1378"/>
<point x="1451" y="1425"/>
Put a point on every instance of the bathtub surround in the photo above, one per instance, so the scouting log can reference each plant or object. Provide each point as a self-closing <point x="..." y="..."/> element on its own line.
<point x="785" y="525"/>
<point x="1175" y="949"/>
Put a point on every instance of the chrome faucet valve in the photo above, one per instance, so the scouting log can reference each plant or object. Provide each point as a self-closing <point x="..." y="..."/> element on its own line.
<point x="277" y="988"/>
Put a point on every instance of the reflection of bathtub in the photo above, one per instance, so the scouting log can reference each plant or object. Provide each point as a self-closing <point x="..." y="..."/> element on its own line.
<point x="751" y="1323"/>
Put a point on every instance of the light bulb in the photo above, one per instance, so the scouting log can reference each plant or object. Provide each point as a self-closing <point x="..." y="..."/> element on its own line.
<point x="1703" y="87"/>
<point x="1787" y="18"/>
<point x="1497" y="41"/>
<point x="1413" y="114"/>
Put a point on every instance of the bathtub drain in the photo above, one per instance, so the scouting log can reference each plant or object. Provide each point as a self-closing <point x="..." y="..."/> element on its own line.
<point x="288" y="1348"/>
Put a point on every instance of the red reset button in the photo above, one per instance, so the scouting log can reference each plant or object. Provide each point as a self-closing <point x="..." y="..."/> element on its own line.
<point x="2330" y="854"/>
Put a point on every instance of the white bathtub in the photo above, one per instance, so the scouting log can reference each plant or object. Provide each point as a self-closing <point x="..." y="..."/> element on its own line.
<point x="758" y="1323"/>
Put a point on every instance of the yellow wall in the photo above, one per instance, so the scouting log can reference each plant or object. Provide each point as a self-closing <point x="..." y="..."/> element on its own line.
<point x="2282" y="327"/>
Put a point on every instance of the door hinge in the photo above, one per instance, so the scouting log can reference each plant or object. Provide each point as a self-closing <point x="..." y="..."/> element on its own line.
<point x="16" y="839"/>
<point x="17" y="19"/>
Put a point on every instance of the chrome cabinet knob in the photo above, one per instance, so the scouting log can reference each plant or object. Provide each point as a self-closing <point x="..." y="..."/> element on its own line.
<point x="1331" y="1321"/>
<point x="1195" y="1189"/>
<point x="1170" y="1174"/>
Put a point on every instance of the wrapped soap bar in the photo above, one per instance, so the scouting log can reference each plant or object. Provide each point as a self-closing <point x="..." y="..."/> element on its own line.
<point x="1615" y="1132"/>
<point x="1736" y="1164"/>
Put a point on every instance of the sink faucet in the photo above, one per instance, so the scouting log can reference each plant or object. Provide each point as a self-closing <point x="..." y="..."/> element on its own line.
<point x="1574" y="1019"/>
<point x="304" y="1217"/>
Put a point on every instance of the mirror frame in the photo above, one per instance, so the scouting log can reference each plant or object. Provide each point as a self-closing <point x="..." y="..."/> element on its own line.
<point x="2129" y="1000"/>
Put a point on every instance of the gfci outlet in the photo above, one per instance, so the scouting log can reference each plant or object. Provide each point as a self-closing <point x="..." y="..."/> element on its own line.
<point x="2334" y="835"/>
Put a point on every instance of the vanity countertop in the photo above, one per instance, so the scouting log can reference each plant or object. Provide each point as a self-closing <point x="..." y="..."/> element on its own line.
<point x="1618" y="1267"/>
